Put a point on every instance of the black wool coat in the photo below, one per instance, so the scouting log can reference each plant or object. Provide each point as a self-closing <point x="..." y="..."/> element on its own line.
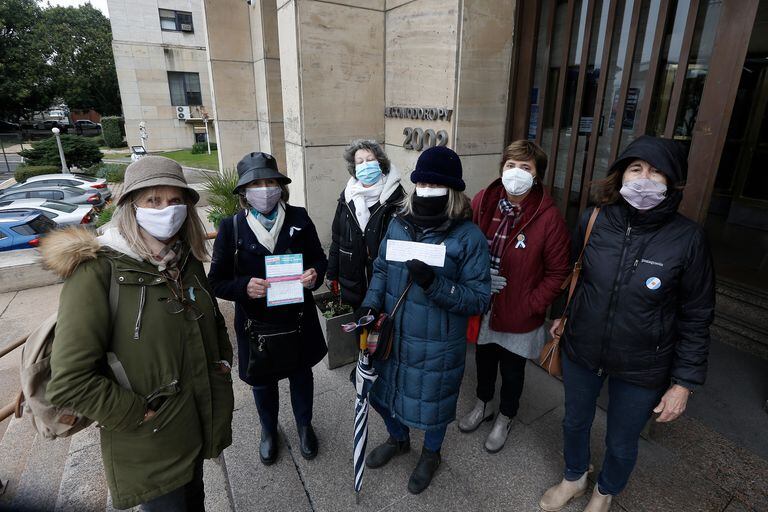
<point x="353" y="252"/>
<point x="297" y="236"/>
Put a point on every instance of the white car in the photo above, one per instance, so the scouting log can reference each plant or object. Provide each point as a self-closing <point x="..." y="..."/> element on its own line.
<point x="63" y="214"/>
<point x="87" y="183"/>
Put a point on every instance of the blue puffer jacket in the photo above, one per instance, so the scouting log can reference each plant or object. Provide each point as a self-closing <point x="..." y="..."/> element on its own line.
<point x="419" y="383"/>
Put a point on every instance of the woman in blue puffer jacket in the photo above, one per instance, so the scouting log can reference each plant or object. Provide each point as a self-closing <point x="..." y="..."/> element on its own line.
<point x="418" y="385"/>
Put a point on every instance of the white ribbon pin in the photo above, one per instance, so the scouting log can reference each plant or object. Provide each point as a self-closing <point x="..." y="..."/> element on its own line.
<point x="520" y="241"/>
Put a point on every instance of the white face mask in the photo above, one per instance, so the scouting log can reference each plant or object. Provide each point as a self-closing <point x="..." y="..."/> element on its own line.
<point x="517" y="181"/>
<point x="162" y="224"/>
<point x="431" y="191"/>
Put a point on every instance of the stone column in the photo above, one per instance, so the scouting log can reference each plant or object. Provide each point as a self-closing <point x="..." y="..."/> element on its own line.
<point x="266" y="68"/>
<point x="231" y="64"/>
<point x="332" y="70"/>
<point x="453" y="55"/>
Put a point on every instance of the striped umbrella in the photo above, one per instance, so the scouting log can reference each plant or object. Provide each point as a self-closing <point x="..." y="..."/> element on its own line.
<point x="365" y="376"/>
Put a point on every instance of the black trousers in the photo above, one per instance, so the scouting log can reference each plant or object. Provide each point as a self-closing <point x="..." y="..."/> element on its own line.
<point x="489" y="358"/>
<point x="267" y="399"/>
<point x="187" y="498"/>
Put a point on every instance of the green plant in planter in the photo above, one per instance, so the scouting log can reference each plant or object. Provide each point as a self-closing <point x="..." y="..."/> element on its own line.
<point x="333" y="307"/>
<point x="223" y="203"/>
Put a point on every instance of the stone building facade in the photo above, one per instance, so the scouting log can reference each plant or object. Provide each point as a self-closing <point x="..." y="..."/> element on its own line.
<point x="162" y="70"/>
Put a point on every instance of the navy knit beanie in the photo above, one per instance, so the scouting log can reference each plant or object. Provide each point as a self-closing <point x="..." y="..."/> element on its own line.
<point x="439" y="166"/>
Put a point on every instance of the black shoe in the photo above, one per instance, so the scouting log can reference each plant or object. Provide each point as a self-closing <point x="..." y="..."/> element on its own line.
<point x="385" y="451"/>
<point x="268" y="447"/>
<point x="308" y="442"/>
<point x="424" y="471"/>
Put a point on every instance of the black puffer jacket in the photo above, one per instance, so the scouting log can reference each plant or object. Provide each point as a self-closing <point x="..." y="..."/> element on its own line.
<point x="645" y="301"/>
<point x="350" y="259"/>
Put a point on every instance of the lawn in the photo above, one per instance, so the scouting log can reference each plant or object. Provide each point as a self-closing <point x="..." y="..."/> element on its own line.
<point x="201" y="161"/>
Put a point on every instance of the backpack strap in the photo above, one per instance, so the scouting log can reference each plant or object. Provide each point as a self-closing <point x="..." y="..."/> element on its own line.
<point x="114" y="363"/>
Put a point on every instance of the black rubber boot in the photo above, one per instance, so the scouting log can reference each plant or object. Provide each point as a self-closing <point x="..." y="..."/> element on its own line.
<point x="384" y="452"/>
<point x="268" y="447"/>
<point x="424" y="471"/>
<point x="308" y="442"/>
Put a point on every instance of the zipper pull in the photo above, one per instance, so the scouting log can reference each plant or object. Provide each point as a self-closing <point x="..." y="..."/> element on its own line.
<point x="599" y="372"/>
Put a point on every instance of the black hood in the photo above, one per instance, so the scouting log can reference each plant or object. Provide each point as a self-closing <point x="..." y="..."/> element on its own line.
<point x="666" y="155"/>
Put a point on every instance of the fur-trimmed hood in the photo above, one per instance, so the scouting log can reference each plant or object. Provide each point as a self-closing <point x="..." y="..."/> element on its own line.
<point x="63" y="250"/>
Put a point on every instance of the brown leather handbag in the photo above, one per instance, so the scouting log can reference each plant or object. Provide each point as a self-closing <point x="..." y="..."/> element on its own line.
<point x="550" y="354"/>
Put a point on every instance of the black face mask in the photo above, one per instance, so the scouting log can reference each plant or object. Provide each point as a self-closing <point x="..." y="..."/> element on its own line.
<point x="429" y="206"/>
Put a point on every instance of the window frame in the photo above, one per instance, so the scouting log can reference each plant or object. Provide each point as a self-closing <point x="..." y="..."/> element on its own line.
<point x="187" y="101"/>
<point x="179" y="18"/>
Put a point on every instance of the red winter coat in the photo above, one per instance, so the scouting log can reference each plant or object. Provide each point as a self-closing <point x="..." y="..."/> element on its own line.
<point x="534" y="273"/>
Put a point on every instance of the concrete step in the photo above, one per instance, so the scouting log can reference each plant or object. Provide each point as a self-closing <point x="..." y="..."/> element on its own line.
<point x="15" y="447"/>
<point x="83" y="483"/>
<point x="40" y="481"/>
<point x="22" y="269"/>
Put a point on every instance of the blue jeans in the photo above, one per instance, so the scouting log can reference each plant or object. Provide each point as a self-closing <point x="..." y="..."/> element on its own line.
<point x="433" y="438"/>
<point x="267" y="399"/>
<point x="629" y="409"/>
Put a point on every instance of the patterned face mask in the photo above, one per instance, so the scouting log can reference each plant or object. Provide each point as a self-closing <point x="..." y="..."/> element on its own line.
<point x="643" y="193"/>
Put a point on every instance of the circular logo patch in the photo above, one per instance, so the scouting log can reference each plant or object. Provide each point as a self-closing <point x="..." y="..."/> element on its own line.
<point x="653" y="283"/>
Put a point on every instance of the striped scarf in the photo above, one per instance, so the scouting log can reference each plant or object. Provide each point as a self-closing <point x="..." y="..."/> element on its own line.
<point x="504" y="226"/>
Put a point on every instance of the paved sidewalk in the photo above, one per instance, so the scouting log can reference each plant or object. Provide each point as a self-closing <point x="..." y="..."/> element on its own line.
<point x="682" y="467"/>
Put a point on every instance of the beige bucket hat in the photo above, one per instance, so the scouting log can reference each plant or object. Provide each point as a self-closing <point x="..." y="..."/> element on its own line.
<point x="154" y="171"/>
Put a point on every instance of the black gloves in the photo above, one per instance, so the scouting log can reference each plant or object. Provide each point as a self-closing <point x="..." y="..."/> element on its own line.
<point x="422" y="274"/>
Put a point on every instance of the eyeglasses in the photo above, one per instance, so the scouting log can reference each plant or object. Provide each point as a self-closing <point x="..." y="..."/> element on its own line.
<point x="352" y="326"/>
<point x="180" y="304"/>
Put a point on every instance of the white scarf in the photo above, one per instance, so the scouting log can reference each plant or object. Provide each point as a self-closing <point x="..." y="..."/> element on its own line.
<point x="267" y="238"/>
<point x="363" y="197"/>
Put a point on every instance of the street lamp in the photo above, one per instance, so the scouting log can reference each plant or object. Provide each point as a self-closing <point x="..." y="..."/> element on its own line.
<point x="64" y="169"/>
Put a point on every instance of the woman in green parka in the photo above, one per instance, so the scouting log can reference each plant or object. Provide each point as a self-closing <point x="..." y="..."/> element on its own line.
<point x="141" y="346"/>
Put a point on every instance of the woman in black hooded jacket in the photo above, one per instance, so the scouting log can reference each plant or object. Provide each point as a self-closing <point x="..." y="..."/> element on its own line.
<point x="640" y="315"/>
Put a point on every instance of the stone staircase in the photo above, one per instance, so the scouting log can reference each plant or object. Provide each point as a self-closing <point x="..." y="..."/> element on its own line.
<point x="66" y="475"/>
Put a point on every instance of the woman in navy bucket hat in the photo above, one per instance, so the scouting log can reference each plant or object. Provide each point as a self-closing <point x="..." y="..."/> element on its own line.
<point x="418" y="385"/>
<point x="268" y="225"/>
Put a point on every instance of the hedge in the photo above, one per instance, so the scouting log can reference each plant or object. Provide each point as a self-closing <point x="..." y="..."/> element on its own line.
<point x="24" y="172"/>
<point x="80" y="152"/>
<point x="199" y="148"/>
<point x="110" y="129"/>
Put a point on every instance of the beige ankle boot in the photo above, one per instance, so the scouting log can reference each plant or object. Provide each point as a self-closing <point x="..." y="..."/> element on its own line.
<point x="599" y="502"/>
<point x="558" y="496"/>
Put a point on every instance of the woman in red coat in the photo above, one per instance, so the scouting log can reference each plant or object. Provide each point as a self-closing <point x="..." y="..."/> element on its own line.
<point x="530" y="248"/>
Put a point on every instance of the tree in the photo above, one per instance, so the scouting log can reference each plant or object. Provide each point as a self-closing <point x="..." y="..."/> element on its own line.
<point x="26" y="84"/>
<point x="82" y="63"/>
<point x="55" y="54"/>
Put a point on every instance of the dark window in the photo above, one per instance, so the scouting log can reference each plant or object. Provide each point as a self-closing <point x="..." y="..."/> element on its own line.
<point x="176" y="21"/>
<point x="42" y="224"/>
<point x="3" y="235"/>
<point x="185" y="88"/>
<point x="24" y="230"/>
<point x="18" y="195"/>
<point x="62" y="207"/>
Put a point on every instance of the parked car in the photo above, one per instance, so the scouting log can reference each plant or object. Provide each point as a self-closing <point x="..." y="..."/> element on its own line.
<point x="42" y="129"/>
<point x="22" y="231"/>
<point x="87" y="127"/>
<point x="87" y="183"/>
<point x="6" y="127"/>
<point x="63" y="214"/>
<point x="70" y="195"/>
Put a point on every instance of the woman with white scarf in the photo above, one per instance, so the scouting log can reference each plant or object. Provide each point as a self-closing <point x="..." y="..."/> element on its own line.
<point x="365" y="208"/>
<point x="274" y="341"/>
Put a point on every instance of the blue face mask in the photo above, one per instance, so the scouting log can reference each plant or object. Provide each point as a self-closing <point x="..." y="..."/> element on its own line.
<point x="368" y="172"/>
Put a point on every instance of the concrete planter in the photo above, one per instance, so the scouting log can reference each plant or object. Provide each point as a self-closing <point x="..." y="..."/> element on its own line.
<point x="342" y="346"/>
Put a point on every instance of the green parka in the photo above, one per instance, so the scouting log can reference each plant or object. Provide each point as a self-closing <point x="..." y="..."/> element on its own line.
<point x="162" y="354"/>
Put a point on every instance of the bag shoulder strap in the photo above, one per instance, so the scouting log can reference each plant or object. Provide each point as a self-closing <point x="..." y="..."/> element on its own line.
<point x="237" y="247"/>
<point x="571" y="281"/>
